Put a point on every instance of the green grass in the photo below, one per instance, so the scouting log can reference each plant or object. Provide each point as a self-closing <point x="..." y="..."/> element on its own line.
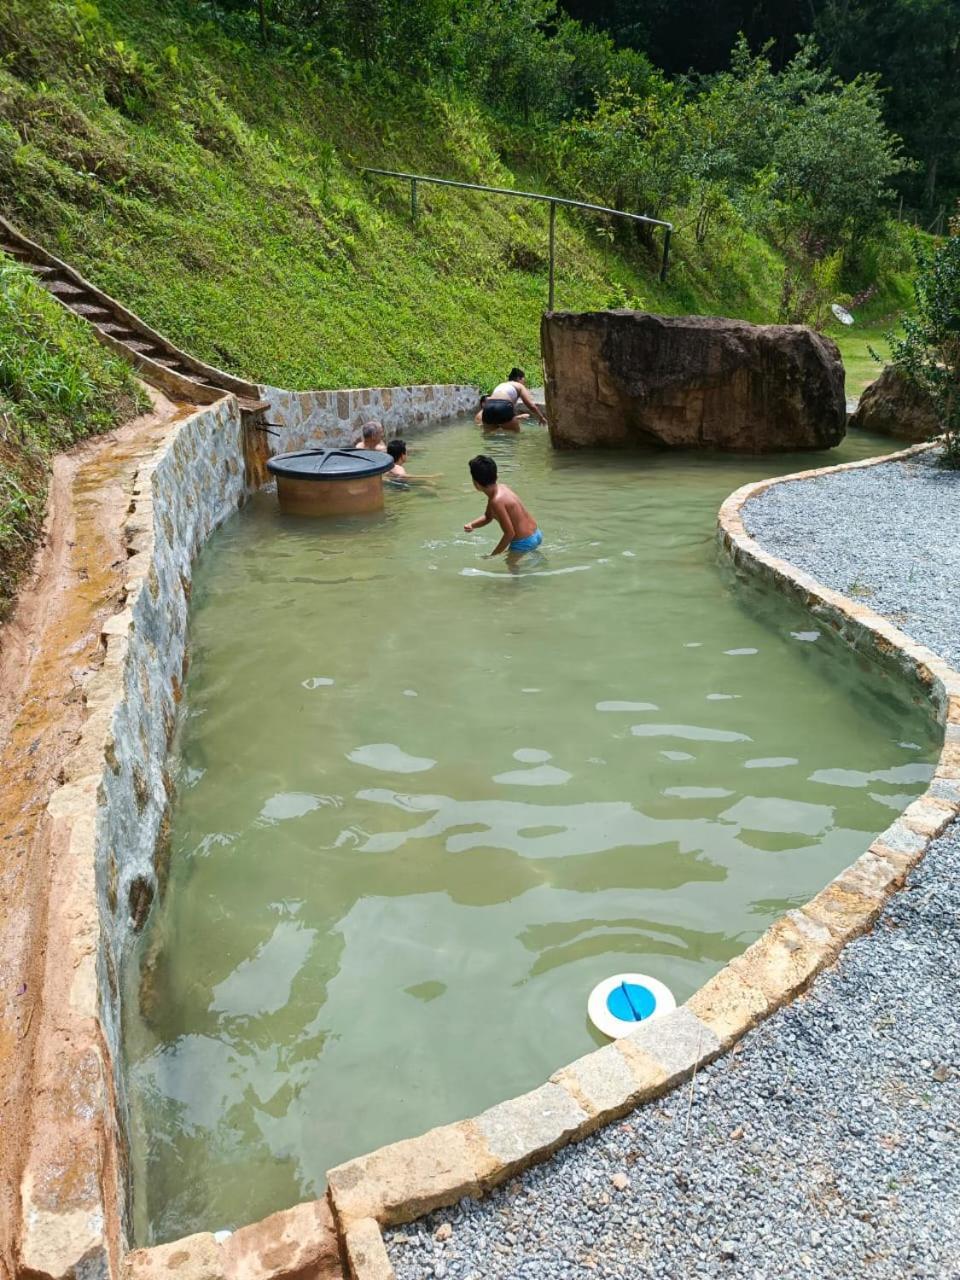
<point x="57" y="385"/>
<point x="216" y="189"/>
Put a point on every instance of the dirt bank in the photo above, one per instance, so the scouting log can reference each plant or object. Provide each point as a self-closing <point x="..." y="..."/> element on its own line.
<point x="48" y="650"/>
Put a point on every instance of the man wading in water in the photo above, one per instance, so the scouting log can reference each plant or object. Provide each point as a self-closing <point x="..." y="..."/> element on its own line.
<point x="500" y="406"/>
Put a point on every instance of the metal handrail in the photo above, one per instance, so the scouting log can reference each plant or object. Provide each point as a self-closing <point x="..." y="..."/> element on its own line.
<point x="552" y="201"/>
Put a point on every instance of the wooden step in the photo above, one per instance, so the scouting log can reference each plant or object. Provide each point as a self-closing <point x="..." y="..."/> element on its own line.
<point x="142" y="346"/>
<point x="42" y="269"/>
<point x="15" y="251"/>
<point x="117" y="329"/>
<point x="66" y="289"/>
<point x="92" y="311"/>
<point x="174" y="365"/>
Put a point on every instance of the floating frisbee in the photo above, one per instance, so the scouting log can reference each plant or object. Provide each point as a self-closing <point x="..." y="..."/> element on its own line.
<point x="842" y="314"/>
<point x="618" y="1004"/>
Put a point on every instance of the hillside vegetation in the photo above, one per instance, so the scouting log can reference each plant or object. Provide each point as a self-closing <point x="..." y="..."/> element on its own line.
<point x="215" y="187"/>
<point x="213" y="182"/>
<point x="57" y="385"/>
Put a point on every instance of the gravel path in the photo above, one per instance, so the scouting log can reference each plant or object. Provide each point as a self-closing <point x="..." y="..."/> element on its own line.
<point x="887" y="535"/>
<point x="827" y="1145"/>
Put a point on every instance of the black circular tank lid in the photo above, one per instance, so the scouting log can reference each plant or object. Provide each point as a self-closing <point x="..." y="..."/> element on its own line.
<point x="330" y="464"/>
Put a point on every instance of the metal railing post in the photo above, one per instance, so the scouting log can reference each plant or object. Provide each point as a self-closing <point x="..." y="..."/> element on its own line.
<point x="552" y="201"/>
<point x="553" y="236"/>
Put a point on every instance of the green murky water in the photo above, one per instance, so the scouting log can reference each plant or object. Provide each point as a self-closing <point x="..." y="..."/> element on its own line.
<point x="426" y="803"/>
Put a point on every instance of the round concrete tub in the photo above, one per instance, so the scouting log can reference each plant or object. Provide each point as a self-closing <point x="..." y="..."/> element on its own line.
<point x="330" y="482"/>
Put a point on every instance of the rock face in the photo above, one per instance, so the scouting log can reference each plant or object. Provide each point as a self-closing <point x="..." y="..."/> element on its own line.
<point x="619" y="379"/>
<point x="895" y="406"/>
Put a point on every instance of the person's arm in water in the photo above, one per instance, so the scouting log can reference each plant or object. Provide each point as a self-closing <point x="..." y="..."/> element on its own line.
<point x="531" y="404"/>
<point x="506" y="524"/>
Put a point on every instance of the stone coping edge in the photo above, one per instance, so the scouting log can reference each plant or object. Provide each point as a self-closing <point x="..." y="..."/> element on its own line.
<point x="407" y="1179"/>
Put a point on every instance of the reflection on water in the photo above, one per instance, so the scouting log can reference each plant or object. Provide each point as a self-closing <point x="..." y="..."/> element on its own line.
<point x="427" y="801"/>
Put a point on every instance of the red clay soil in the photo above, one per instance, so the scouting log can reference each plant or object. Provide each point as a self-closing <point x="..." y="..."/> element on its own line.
<point x="47" y="650"/>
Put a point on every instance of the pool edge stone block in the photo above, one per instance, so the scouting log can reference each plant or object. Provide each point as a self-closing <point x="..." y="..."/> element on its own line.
<point x="787" y="957"/>
<point x="292" y="1244"/>
<point x="528" y="1128"/>
<point x="729" y="1006"/>
<point x="367" y="1257"/>
<point x="403" y="1180"/>
<point x="196" y="1257"/>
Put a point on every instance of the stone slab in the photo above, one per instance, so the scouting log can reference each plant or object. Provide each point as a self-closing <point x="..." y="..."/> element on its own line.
<point x="728" y="1006"/>
<point x="678" y="1042"/>
<point x="791" y="952"/>
<point x="401" y="1181"/>
<point x="367" y="1257"/>
<point x="196" y="1257"/>
<point x="295" y="1244"/>
<point x="525" y="1129"/>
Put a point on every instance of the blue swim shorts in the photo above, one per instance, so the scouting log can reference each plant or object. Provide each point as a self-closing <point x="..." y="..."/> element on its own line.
<point x="527" y="544"/>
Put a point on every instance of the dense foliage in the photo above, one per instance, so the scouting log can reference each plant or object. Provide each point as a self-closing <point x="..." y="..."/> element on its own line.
<point x="801" y="155"/>
<point x="928" y="350"/>
<point x="913" y="45"/>
<point x="57" y="385"/>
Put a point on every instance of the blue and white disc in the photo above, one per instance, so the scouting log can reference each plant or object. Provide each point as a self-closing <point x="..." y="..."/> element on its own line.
<point x="619" y="1004"/>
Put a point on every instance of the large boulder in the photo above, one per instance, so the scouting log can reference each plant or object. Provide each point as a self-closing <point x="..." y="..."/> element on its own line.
<point x="616" y="379"/>
<point x="895" y="406"/>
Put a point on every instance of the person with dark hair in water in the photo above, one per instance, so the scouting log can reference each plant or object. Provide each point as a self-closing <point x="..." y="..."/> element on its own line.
<point x="520" y="532"/>
<point x="499" y="408"/>
<point x="512" y="425"/>
<point x="397" y="450"/>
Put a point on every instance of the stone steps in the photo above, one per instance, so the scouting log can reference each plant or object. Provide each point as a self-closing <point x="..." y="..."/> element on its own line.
<point x="63" y="285"/>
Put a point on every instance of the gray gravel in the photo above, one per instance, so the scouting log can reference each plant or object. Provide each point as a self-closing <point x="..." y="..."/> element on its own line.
<point x="828" y="1143"/>
<point x="887" y="535"/>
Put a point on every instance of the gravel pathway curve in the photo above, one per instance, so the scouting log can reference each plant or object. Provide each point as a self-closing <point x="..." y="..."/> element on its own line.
<point x="827" y="1144"/>
<point x="886" y="535"/>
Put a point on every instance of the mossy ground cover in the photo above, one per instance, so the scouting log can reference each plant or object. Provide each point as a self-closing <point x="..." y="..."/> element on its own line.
<point x="57" y="385"/>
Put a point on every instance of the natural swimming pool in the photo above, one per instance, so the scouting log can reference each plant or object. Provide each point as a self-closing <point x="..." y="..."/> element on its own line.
<point x="427" y="803"/>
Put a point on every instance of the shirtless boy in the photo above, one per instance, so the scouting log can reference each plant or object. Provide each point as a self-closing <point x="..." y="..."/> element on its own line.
<point x="520" y="532"/>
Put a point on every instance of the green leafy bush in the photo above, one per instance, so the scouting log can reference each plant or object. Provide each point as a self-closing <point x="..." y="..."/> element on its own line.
<point x="928" y="351"/>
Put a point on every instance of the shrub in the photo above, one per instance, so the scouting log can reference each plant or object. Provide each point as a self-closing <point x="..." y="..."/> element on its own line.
<point x="929" y="350"/>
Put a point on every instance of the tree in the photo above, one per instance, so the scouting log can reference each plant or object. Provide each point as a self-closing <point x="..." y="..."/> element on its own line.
<point x="928" y="352"/>
<point x="914" y="45"/>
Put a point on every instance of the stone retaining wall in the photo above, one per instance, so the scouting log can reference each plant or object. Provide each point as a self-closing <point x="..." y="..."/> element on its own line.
<point x="335" y="417"/>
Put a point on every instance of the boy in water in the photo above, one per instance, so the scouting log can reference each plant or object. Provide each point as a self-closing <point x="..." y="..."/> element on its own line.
<point x="520" y="532"/>
<point x="397" y="450"/>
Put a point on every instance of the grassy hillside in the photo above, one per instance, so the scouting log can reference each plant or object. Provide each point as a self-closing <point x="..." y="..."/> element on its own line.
<point x="57" y="385"/>
<point x="215" y="188"/>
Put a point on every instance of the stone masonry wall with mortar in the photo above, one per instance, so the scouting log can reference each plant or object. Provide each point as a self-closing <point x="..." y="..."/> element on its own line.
<point x="189" y="490"/>
<point x="335" y="417"/>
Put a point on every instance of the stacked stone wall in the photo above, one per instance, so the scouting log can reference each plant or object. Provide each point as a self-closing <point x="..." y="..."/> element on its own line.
<point x="335" y="417"/>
